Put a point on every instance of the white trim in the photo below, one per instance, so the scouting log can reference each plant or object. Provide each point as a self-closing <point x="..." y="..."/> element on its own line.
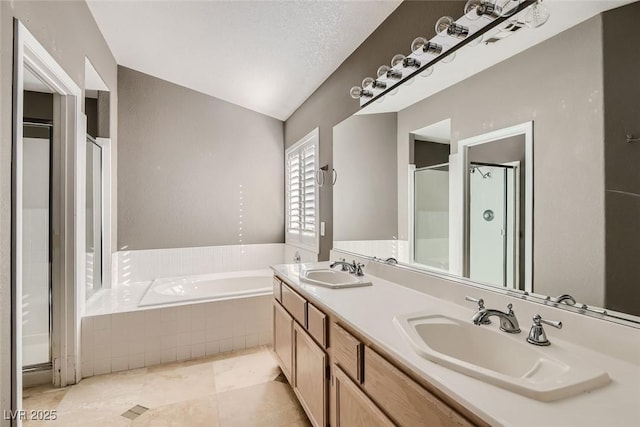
<point x="105" y="144"/>
<point x="411" y="202"/>
<point x="68" y="129"/>
<point x="525" y="129"/>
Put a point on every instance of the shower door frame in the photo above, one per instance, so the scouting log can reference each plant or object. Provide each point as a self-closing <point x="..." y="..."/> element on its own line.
<point x="68" y="229"/>
<point x="526" y="130"/>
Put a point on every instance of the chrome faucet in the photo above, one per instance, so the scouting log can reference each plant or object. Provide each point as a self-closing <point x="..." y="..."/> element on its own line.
<point x="480" y="302"/>
<point x="508" y="321"/>
<point x="345" y="265"/>
<point x="537" y="336"/>
<point x="564" y="298"/>
<point x="353" y="268"/>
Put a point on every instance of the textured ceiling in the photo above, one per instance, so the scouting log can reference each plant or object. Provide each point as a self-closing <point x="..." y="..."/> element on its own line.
<point x="268" y="56"/>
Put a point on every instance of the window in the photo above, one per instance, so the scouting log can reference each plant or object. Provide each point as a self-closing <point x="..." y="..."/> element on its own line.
<point x="302" y="203"/>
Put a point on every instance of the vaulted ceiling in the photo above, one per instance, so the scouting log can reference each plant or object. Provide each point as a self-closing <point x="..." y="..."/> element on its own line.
<point x="267" y="56"/>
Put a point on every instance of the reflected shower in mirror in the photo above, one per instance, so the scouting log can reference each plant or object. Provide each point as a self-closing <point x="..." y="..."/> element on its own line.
<point x="476" y="196"/>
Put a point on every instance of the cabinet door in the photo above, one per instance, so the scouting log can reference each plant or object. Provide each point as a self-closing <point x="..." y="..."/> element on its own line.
<point x="282" y="338"/>
<point x="352" y="407"/>
<point x="309" y="372"/>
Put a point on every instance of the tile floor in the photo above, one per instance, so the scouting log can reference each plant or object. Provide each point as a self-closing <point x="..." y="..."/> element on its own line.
<point x="233" y="389"/>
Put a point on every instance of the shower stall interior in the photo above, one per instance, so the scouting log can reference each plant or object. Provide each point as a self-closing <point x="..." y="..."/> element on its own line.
<point x="494" y="224"/>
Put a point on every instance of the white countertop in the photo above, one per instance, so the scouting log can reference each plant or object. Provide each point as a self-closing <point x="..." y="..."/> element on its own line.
<point x="370" y="310"/>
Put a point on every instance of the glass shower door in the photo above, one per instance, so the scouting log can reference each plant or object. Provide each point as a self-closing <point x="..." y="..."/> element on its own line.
<point x="36" y="248"/>
<point x="94" y="217"/>
<point x="431" y="216"/>
<point x="493" y="224"/>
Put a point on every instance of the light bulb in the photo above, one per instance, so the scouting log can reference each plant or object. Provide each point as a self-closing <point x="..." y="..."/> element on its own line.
<point x="505" y="8"/>
<point x="443" y="24"/>
<point x="368" y="81"/>
<point x="417" y="44"/>
<point x="474" y="9"/>
<point x="357" y="92"/>
<point x="421" y="45"/>
<point x="447" y="26"/>
<point x="411" y="63"/>
<point x="536" y="16"/>
<point x="396" y="61"/>
<point x="382" y="71"/>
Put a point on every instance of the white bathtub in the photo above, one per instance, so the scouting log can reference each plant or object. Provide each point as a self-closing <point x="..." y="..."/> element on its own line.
<point x="208" y="287"/>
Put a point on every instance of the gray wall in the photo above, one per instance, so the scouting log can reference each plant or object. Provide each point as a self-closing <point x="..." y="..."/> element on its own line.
<point x="558" y="86"/>
<point x="426" y="153"/>
<point x="364" y="155"/>
<point x="622" y="160"/>
<point x="195" y="170"/>
<point x="330" y="103"/>
<point x="37" y="105"/>
<point x="69" y="33"/>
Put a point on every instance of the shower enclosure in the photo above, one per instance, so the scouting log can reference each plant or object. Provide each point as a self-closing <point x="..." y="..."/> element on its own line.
<point x="94" y="217"/>
<point x="494" y="201"/>
<point x="37" y="244"/>
<point x="431" y="216"/>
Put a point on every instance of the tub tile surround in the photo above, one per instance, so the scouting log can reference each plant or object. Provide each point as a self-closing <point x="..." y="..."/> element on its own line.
<point x="130" y="340"/>
<point x="613" y="347"/>
<point x="146" y="265"/>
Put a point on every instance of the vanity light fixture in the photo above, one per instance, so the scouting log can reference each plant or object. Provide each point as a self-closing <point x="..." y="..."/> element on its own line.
<point x="357" y="92"/>
<point x="421" y="45"/>
<point x="447" y="26"/>
<point x="387" y="72"/>
<point x="375" y="84"/>
<point x="451" y="35"/>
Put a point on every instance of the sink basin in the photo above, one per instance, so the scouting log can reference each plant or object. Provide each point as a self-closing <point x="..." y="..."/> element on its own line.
<point x="332" y="278"/>
<point x="501" y="359"/>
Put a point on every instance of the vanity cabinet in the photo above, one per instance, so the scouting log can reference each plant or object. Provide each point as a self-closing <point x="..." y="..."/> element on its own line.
<point x="310" y="376"/>
<point x="352" y="407"/>
<point x="335" y="371"/>
<point x="283" y="338"/>
<point x="299" y="341"/>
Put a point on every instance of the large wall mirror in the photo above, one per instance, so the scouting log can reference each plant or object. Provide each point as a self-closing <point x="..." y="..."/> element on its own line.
<point x="519" y="177"/>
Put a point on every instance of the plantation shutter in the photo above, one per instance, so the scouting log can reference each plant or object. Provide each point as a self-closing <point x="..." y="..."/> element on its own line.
<point x="301" y="198"/>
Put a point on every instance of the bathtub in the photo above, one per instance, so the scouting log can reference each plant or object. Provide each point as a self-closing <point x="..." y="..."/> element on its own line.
<point x="208" y="287"/>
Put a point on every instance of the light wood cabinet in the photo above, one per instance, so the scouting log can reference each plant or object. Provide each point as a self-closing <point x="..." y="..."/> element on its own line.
<point x="310" y="376"/>
<point x="402" y="398"/>
<point x="352" y="408"/>
<point x="295" y="304"/>
<point x="283" y="338"/>
<point x="366" y="389"/>
<point x="347" y="352"/>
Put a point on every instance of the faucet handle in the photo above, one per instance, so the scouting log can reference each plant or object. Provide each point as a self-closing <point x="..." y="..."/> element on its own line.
<point x="358" y="269"/>
<point x="480" y="302"/>
<point x="537" y="335"/>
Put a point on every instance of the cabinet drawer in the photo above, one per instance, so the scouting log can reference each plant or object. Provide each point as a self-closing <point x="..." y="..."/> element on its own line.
<point x="277" y="289"/>
<point x="317" y="324"/>
<point x="352" y="407"/>
<point x="347" y="352"/>
<point x="295" y="304"/>
<point x="404" y="400"/>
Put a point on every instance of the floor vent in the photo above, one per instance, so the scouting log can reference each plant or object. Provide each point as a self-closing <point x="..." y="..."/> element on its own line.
<point x="135" y="412"/>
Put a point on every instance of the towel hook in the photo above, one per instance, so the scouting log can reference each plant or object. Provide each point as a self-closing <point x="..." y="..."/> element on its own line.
<point x="631" y="139"/>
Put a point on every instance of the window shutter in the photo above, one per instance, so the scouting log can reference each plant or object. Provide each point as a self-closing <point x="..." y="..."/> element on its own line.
<point x="301" y="192"/>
